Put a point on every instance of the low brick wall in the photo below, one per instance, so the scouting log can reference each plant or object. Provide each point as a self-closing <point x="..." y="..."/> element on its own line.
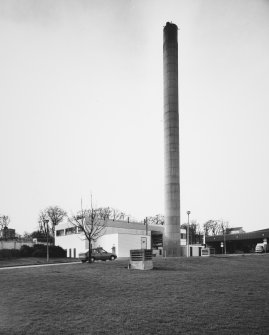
<point x="14" y="244"/>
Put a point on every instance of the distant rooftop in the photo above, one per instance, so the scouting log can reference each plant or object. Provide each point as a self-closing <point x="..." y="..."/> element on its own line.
<point x="258" y="234"/>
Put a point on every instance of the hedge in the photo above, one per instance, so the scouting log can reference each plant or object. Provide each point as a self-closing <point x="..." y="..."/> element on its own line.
<point x="8" y="253"/>
<point x="38" y="250"/>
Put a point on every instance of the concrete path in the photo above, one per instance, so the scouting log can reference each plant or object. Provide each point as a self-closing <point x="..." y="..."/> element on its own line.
<point x="35" y="266"/>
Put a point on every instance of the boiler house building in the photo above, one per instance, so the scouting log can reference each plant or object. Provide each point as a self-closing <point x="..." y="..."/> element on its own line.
<point x="119" y="237"/>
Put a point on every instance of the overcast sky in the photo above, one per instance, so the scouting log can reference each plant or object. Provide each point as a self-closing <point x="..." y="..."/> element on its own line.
<point x="81" y="107"/>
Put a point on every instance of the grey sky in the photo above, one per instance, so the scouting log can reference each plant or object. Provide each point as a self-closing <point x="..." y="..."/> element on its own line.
<point x="81" y="107"/>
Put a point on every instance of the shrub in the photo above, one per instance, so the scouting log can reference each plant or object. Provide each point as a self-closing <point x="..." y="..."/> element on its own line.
<point x="26" y="251"/>
<point x="56" y="251"/>
<point x="39" y="250"/>
<point x="8" y="253"/>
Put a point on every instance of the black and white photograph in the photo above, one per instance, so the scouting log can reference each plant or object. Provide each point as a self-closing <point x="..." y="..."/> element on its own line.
<point x="134" y="174"/>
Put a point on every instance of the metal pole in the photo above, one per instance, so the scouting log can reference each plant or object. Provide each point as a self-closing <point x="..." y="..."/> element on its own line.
<point x="47" y="222"/>
<point x="224" y="242"/>
<point x="188" y="233"/>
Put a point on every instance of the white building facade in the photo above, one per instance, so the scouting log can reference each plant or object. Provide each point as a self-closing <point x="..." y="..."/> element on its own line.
<point x="119" y="237"/>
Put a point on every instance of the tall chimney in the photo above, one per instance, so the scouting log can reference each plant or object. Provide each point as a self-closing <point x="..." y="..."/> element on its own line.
<point x="171" y="141"/>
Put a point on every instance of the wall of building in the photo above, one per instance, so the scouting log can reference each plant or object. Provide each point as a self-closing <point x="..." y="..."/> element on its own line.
<point x="120" y="230"/>
<point x="107" y="242"/>
<point x="195" y="250"/>
<point x="123" y="243"/>
<point x="129" y="242"/>
<point x="122" y="236"/>
<point x="237" y="243"/>
<point x="73" y="243"/>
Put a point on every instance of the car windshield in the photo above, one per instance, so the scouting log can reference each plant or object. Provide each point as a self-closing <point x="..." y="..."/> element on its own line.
<point x="102" y="251"/>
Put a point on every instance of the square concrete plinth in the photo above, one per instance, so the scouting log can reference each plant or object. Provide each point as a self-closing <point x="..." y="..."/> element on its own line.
<point x="141" y="259"/>
<point x="141" y="265"/>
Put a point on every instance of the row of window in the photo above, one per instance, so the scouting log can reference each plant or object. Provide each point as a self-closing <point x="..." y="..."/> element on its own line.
<point x="68" y="231"/>
<point x="76" y="230"/>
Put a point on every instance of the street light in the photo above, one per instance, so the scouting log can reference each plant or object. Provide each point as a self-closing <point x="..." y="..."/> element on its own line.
<point x="188" y="232"/>
<point x="224" y="240"/>
<point x="47" y="228"/>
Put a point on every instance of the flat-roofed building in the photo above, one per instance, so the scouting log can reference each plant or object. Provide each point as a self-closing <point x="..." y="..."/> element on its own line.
<point x="237" y="242"/>
<point x="119" y="237"/>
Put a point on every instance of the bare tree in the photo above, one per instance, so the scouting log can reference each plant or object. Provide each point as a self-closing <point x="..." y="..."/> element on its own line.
<point x="109" y="213"/>
<point x="54" y="215"/>
<point x="156" y="219"/>
<point x="206" y="227"/>
<point x="210" y="227"/>
<point x="4" y="221"/>
<point x="195" y="233"/>
<point x="215" y="227"/>
<point x="117" y="214"/>
<point x="104" y="213"/>
<point x="43" y="216"/>
<point x="199" y="233"/>
<point x="223" y="227"/>
<point x="91" y="224"/>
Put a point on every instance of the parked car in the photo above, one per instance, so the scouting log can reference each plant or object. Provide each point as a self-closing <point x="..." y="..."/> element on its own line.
<point x="261" y="247"/>
<point x="98" y="254"/>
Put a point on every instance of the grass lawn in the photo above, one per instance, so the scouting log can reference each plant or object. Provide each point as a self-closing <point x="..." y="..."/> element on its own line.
<point x="32" y="261"/>
<point x="216" y="295"/>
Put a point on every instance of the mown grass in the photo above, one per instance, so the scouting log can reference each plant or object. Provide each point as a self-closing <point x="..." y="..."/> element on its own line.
<point x="20" y="261"/>
<point x="180" y="296"/>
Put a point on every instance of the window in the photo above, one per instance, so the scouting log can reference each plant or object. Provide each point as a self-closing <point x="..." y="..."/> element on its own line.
<point x="60" y="232"/>
<point x="69" y="231"/>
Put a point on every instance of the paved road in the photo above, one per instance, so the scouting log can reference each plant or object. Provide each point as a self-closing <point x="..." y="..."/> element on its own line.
<point x="35" y="266"/>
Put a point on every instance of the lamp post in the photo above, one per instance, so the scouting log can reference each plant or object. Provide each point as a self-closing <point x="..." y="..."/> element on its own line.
<point x="47" y="228"/>
<point x="224" y="240"/>
<point x="188" y="232"/>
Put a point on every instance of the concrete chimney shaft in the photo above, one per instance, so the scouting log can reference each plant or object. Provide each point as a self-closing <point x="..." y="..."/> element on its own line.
<point x="171" y="141"/>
